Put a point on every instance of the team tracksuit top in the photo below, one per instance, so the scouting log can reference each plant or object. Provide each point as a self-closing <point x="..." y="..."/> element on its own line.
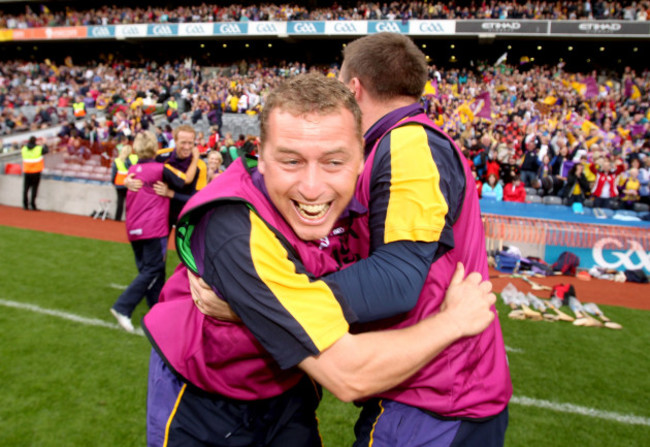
<point x="265" y="273"/>
<point x="470" y="379"/>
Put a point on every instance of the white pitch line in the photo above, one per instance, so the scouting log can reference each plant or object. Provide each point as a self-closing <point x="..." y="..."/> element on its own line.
<point x="66" y="316"/>
<point x="514" y="350"/>
<point x="629" y="419"/>
<point x="117" y="286"/>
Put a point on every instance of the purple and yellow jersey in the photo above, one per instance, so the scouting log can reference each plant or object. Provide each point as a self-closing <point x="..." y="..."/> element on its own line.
<point x="178" y="167"/>
<point x="417" y="187"/>
<point x="231" y="235"/>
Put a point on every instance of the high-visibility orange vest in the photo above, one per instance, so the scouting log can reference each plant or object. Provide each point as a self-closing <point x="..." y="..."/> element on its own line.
<point x="172" y="107"/>
<point x="79" y="109"/>
<point x="32" y="159"/>
<point x="122" y="170"/>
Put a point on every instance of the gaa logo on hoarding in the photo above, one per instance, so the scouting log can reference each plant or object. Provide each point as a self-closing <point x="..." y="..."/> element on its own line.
<point x="345" y="28"/>
<point x="100" y="31"/>
<point x="230" y="29"/>
<point x="305" y="28"/>
<point x="623" y="258"/>
<point x="266" y="28"/>
<point x="431" y="27"/>
<point x="162" y="30"/>
<point x="130" y="31"/>
<point x="195" y="29"/>
<point x="600" y="27"/>
<point x="389" y="27"/>
<point x="498" y="26"/>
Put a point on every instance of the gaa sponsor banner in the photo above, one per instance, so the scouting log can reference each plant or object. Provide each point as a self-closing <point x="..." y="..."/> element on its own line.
<point x="162" y="30"/>
<point x="230" y="29"/>
<point x="502" y="26"/>
<point x="267" y="28"/>
<point x="196" y="29"/>
<point x="51" y="33"/>
<point x="610" y="253"/>
<point x="101" y="32"/>
<point x="432" y="27"/>
<point x="388" y="26"/>
<point x="123" y="31"/>
<point x="585" y="28"/>
<point x="346" y="27"/>
<point x="306" y="28"/>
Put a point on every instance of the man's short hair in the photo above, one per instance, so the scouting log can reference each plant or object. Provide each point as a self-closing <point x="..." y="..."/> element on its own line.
<point x="387" y="64"/>
<point x="310" y="93"/>
<point x="145" y="145"/>
<point x="184" y="128"/>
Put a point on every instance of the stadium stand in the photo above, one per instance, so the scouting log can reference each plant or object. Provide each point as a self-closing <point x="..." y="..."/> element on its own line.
<point x="490" y="108"/>
<point x="61" y="15"/>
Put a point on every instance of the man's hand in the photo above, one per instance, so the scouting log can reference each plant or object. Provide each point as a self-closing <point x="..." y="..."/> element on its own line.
<point x="195" y="152"/>
<point x="163" y="190"/>
<point x="468" y="302"/>
<point x="132" y="183"/>
<point x="208" y="302"/>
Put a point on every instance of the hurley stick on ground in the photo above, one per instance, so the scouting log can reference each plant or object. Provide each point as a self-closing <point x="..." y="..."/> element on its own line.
<point x="593" y="309"/>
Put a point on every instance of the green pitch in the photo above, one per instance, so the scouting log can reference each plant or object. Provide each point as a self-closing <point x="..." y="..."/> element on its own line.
<point x="74" y="382"/>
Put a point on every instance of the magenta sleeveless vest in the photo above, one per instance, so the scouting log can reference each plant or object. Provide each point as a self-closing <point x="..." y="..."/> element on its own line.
<point x="217" y="356"/>
<point x="146" y="211"/>
<point x="469" y="379"/>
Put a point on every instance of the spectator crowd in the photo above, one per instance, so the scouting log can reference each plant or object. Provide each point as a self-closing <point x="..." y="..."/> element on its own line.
<point x="571" y="135"/>
<point x="396" y="10"/>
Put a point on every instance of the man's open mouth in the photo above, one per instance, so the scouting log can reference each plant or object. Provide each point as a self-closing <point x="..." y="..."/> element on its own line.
<point x="312" y="211"/>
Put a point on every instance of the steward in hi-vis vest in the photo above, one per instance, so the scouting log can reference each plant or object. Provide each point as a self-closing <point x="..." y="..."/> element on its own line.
<point x="172" y="109"/>
<point x="119" y="171"/>
<point x="79" y="109"/>
<point x="122" y="169"/>
<point x="33" y="165"/>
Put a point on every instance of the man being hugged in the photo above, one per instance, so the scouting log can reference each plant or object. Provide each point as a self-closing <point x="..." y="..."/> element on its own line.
<point x="255" y="236"/>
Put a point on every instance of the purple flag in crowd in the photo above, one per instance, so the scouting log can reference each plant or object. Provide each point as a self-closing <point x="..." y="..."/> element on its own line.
<point x="628" y="87"/>
<point x="592" y="88"/>
<point x="482" y="106"/>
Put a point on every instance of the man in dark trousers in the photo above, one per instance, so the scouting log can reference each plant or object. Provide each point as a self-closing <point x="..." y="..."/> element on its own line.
<point x="33" y="164"/>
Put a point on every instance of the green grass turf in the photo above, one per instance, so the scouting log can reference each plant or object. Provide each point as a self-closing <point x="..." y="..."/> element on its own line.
<point x="66" y="383"/>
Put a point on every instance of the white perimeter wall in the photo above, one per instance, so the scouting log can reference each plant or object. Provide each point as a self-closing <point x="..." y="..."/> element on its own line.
<point x="57" y="195"/>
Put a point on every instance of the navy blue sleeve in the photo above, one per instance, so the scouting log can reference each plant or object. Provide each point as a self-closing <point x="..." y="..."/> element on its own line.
<point x="174" y="182"/>
<point x="390" y="280"/>
<point x="387" y="283"/>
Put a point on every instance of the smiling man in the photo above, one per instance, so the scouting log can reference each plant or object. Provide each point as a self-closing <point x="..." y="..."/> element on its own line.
<point x="184" y="161"/>
<point x="254" y="235"/>
<point x="310" y="188"/>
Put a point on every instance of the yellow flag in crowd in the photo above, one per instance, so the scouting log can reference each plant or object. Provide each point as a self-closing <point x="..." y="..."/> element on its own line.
<point x="52" y="66"/>
<point x="550" y="100"/>
<point x="465" y="113"/>
<point x="430" y="89"/>
<point x="587" y="126"/>
<point x="579" y="87"/>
